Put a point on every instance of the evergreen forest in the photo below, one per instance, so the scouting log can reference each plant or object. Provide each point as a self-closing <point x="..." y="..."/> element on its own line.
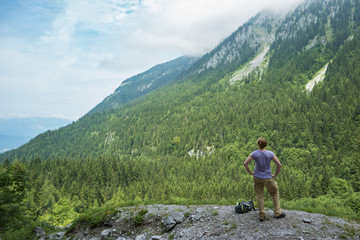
<point x="185" y="142"/>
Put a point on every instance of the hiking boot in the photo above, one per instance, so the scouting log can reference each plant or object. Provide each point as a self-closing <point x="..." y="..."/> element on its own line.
<point x="280" y="216"/>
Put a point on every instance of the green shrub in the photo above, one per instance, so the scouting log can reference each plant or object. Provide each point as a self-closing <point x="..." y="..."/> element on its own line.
<point x="354" y="202"/>
<point x="339" y="188"/>
<point x="328" y="205"/>
<point x="139" y="219"/>
<point x="95" y="216"/>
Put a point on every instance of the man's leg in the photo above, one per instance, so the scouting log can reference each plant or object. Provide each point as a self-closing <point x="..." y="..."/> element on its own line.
<point x="273" y="189"/>
<point x="259" y="190"/>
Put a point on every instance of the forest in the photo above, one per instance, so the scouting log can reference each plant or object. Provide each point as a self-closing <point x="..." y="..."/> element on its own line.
<point x="190" y="149"/>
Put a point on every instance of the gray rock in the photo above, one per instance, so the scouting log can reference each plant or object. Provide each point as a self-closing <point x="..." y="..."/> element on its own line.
<point x="106" y="232"/>
<point x="152" y="238"/>
<point x="39" y="232"/>
<point x="169" y="223"/>
<point x="141" y="237"/>
<point x="87" y="231"/>
<point x="195" y="217"/>
<point x="307" y="220"/>
<point x="56" y="236"/>
<point x="178" y="218"/>
<point x="121" y="238"/>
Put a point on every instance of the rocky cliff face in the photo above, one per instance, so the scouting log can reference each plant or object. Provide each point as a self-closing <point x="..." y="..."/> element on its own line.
<point x="245" y="42"/>
<point x="210" y="222"/>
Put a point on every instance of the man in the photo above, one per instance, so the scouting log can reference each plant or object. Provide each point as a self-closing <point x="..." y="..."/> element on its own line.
<point x="263" y="176"/>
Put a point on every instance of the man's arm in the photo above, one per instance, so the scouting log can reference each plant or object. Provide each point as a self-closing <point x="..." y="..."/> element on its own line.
<point x="278" y="166"/>
<point x="246" y="165"/>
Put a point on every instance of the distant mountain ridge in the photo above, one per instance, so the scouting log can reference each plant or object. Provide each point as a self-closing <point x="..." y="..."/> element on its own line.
<point x="15" y="132"/>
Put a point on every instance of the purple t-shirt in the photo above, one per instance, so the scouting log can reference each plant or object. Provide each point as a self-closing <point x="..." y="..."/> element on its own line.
<point x="262" y="163"/>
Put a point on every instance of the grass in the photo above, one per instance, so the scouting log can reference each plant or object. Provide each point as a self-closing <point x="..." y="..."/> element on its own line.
<point x="215" y="213"/>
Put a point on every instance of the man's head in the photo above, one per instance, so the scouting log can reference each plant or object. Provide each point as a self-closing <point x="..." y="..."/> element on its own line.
<point x="262" y="143"/>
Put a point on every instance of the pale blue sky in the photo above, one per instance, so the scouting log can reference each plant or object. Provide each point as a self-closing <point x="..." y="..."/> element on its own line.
<point x="59" y="58"/>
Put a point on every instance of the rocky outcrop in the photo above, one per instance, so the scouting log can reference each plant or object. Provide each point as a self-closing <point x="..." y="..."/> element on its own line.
<point x="214" y="222"/>
<point x="256" y="34"/>
<point x="318" y="78"/>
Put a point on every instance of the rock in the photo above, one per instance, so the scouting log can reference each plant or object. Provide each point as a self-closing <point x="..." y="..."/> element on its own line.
<point x="87" y="231"/>
<point x="195" y="217"/>
<point x="39" y="232"/>
<point x="199" y="222"/>
<point x="141" y="237"/>
<point x="56" y="236"/>
<point x="178" y="218"/>
<point x="307" y="220"/>
<point x="105" y="233"/>
<point x="169" y="223"/>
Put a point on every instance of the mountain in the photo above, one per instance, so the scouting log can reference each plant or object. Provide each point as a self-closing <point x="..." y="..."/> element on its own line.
<point x="233" y="52"/>
<point x="196" y="75"/>
<point x="15" y="132"/>
<point x="297" y="45"/>
<point x="293" y="79"/>
<point x="144" y="83"/>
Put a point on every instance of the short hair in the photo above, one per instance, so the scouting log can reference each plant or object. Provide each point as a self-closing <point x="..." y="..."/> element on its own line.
<point x="262" y="143"/>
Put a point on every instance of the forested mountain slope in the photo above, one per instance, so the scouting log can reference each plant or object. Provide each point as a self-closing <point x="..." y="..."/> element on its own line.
<point x="187" y="140"/>
<point x="144" y="83"/>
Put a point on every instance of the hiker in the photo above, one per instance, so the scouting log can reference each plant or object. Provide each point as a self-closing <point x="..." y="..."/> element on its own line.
<point x="263" y="176"/>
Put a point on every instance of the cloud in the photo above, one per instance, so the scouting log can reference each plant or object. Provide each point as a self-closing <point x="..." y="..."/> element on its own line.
<point x="82" y="15"/>
<point x="193" y="27"/>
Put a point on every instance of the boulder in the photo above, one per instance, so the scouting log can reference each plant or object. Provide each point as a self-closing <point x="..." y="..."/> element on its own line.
<point x="105" y="233"/>
<point x="141" y="237"/>
<point x="56" y="236"/>
<point x="39" y="232"/>
<point x="156" y="238"/>
<point x="169" y="223"/>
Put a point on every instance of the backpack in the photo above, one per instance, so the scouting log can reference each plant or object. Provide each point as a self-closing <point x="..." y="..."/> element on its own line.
<point x="244" y="207"/>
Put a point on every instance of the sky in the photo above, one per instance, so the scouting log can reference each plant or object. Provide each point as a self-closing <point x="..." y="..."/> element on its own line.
<point x="60" y="58"/>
